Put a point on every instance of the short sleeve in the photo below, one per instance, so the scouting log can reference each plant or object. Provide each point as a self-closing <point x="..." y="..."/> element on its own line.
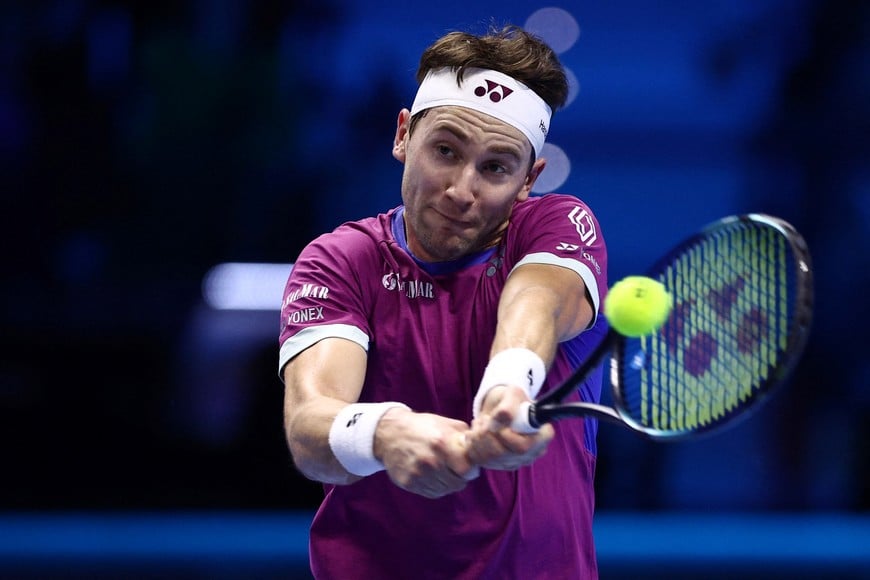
<point x="323" y="296"/>
<point x="561" y="230"/>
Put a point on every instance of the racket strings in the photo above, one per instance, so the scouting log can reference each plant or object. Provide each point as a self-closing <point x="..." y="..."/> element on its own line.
<point x="727" y="332"/>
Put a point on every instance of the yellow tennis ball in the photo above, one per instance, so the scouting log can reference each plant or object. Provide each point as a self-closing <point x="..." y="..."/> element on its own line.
<point x="637" y="305"/>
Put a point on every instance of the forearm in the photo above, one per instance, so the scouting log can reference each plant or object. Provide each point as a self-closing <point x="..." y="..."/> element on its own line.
<point x="421" y="451"/>
<point x="320" y="382"/>
<point x="528" y="320"/>
<point x="307" y="427"/>
<point x="541" y="307"/>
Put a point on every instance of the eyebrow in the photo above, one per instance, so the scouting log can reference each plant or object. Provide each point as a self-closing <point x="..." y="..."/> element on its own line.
<point x="464" y="137"/>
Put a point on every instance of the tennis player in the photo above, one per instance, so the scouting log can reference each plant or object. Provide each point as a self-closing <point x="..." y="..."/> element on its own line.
<point x="408" y="340"/>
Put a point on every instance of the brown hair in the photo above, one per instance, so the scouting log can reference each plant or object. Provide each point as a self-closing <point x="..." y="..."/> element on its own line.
<point x="510" y="50"/>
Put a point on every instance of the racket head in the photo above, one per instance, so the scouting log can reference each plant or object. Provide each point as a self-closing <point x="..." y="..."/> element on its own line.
<point x="743" y="299"/>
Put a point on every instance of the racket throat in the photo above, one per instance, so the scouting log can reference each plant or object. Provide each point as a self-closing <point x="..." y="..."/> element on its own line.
<point x="541" y="415"/>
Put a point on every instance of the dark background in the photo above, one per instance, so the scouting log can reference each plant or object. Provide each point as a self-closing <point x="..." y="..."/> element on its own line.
<point x="142" y="143"/>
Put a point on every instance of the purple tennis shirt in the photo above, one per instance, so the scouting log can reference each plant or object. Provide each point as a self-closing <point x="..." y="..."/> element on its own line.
<point x="427" y="330"/>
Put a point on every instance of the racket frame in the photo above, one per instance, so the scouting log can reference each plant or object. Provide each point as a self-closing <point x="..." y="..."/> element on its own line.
<point x="549" y="407"/>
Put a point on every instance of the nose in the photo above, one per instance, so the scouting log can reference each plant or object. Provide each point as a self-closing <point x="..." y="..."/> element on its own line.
<point x="463" y="184"/>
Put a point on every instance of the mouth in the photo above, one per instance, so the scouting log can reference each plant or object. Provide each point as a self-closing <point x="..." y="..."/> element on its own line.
<point x="454" y="222"/>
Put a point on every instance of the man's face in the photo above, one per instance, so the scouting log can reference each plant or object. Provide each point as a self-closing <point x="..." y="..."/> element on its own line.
<point x="463" y="172"/>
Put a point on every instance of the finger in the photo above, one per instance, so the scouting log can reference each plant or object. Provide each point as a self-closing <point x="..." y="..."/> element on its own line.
<point x="436" y="485"/>
<point x="482" y="446"/>
<point x="459" y="462"/>
<point x="527" y="443"/>
<point x="431" y="492"/>
<point x="446" y="482"/>
<point x="505" y="412"/>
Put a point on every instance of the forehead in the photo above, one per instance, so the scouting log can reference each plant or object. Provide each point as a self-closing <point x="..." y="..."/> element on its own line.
<point x="474" y="125"/>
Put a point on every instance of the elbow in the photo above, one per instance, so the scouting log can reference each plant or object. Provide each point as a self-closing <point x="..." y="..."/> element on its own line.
<point x="320" y="472"/>
<point x="298" y="455"/>
<point x="304" y="464"/>
<point x="299" y="447"/>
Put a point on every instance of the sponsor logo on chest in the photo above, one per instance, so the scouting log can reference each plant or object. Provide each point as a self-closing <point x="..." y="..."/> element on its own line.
<point x="410" y="288"/>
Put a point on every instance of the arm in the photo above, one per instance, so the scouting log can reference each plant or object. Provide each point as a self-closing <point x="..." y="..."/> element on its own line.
<point x="418" y="450"/>
<point x="541" y="305"/>
<point x="319" y="382"/>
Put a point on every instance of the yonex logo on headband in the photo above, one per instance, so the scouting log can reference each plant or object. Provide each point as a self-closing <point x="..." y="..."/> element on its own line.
<point x="490" y="92"/>
<point x="490" y="89"/>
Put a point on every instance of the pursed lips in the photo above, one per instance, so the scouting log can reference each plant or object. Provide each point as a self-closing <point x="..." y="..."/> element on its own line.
<point x="456" y="222"/>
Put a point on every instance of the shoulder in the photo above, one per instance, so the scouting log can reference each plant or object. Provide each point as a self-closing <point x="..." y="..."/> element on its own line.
<point x="350" y="241"/>
<point x="555" y="214"/>
<point x="536" y="206"/>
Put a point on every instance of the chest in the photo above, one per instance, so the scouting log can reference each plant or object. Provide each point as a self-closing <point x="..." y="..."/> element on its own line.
<point x="431" y="336"/>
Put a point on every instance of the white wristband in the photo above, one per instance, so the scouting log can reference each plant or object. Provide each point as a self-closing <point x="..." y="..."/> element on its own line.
<point x="520" y="367"/>
<point x="352" y="436"/>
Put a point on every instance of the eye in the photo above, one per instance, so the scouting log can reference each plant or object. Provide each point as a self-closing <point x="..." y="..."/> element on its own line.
<point x="444" y="151"/>
<point x="495" y="167"/>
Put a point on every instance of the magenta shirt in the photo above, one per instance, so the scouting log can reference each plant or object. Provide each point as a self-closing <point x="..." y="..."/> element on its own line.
<point x="427" y="329"/>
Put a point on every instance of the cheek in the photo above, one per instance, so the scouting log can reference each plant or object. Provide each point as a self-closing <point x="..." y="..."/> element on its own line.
<point x="417" y="180"/>
<point x="499" y="204"/>
<point x="410" y="181"/>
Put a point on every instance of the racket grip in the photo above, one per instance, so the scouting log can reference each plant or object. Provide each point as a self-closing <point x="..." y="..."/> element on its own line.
<point x="524" y="421"/>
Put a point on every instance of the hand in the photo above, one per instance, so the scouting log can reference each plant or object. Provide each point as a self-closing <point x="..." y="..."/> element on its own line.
<point x="424" y="453"/>
<point x="493" y="444"/>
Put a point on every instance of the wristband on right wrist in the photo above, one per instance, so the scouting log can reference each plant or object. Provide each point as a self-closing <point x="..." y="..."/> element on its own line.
<point x="520" y="367"/>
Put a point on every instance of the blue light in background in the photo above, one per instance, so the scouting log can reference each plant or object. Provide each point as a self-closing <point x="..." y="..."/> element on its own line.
<point x="629" y="545"/>
<point x="241" y="286"/>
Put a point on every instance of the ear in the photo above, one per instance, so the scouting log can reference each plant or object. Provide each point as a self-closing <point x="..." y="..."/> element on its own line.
<point x="401" y="138"/>
<point x="532" y="176"/>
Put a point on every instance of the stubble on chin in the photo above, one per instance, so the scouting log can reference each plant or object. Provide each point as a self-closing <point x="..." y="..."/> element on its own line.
<point x="452" y="247"/>
<point x="443" y="249"/>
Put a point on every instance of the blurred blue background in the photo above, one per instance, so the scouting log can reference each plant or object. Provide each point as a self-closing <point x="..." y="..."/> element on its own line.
<point x="143" y="143"/>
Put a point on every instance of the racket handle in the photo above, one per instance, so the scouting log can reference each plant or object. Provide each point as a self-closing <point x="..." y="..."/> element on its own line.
<point x="524" y="421"/>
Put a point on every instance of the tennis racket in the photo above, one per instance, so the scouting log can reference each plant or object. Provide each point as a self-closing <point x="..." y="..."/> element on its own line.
<point x="743" y="300"/>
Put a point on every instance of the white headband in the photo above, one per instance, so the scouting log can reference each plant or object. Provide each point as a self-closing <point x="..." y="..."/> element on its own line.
<point x="491" y="92"/>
